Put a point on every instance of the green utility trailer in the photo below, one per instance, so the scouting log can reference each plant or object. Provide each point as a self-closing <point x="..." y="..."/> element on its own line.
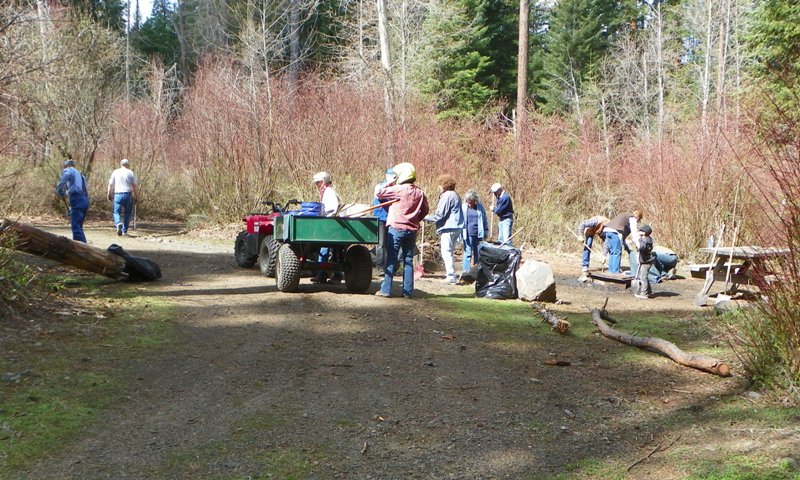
<point x="301" y="238"/>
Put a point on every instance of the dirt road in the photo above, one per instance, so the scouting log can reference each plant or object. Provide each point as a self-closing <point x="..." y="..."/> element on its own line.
<point x="326" y="384"/>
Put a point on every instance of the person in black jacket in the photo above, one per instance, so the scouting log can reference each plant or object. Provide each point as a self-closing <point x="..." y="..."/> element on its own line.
<point x="644" y="245"/>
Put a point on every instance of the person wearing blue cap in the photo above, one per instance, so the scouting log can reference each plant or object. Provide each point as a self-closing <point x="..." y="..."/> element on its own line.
<point x="382" y="215"/>
<point x="73" y="184"/>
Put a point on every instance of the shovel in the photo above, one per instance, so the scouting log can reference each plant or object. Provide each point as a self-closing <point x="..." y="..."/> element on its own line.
<point x="419" y="270"/>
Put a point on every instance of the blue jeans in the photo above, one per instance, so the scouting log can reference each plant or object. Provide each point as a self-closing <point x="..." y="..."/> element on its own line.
<point x="123" y="200"/>
<point x="587" y="253"/>
<point x="614" y="245"/>
<point x="399" y="240"/>
<point x="76" y="217"/>
<point x="471" y="243"/>
<point x="504" y="232"/>
<point x="324" y="255"/>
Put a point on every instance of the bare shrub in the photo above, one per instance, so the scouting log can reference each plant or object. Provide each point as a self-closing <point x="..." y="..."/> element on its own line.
<point x="768" y="339"/>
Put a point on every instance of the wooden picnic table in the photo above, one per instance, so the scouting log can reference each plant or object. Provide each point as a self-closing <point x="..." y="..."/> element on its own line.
<point x="736" y="265"/>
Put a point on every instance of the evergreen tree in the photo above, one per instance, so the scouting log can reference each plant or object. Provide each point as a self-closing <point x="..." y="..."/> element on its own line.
<point x="469" y="57"/>
<point x="157" y="36"/>
<point x="772" y="40"/>
<point x="108" y="13"/>
<point x="580" y="32"/>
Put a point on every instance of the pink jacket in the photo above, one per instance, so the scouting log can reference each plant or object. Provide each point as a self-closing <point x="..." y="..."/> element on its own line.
<point x="410" y="208"/>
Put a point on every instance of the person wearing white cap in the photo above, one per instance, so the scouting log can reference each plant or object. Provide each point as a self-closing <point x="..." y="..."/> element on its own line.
<point x="330" y="205"/>
<point x="123" y="190"/>
<point x="505" y="210"/>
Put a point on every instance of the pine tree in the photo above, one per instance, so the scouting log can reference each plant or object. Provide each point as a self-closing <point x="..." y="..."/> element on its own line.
<point x="157" y="36"/>
<point x="469" y="57"/>
<point x="580" y="32"/>
<point x="772" y="40"/>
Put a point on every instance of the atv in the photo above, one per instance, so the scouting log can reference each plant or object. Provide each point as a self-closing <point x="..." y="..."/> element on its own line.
<point x="257" y="243"/>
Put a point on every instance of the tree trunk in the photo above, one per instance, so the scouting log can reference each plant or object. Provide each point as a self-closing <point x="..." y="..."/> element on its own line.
<point x="700" y="362"/>
<point x="522" y="68"/>
<point x="294" y="43"/>
<point x="61" y="249"/>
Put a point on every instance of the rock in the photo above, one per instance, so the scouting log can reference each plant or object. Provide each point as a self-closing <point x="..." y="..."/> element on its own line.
<point x="725" y="306"/>
<point x="753" y="395"/>
<point x="535" y="282"/>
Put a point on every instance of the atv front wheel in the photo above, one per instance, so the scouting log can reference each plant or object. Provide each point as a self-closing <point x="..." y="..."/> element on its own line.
<point x="243" y="257"/>
<point x="268" y="255"/>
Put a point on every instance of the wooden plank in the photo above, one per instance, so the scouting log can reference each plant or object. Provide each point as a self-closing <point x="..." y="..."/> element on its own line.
<point x="618" y="278"/>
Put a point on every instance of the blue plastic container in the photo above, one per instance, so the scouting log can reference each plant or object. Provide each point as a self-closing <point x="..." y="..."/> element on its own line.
<point x="309" y="209"/>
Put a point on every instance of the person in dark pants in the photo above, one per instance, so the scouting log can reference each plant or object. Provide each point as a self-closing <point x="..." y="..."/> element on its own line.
<point x="73" y="184"/>
<point x="382" y="214"/>
<point x="475" y="229"/>
<point x="644" y="245"/>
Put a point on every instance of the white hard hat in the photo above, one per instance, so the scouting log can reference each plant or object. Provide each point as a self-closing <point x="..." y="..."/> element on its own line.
<point x="322" y="177"/>
<point x="124" y="161"/>
<point x="495" y="187"/>
<point x="406" y="173"/>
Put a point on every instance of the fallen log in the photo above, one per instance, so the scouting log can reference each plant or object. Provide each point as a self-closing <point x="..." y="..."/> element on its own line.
<point x="28" y="239"/>
<point x="558" y="324"/>
<point x="700" y="362"/>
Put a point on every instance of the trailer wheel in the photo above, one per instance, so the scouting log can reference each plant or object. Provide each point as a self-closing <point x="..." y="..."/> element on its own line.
<point x="287" y="275"/>
<point x="268" y="255"/>
<point x="243" y="257"/>
<point x="357" y="269"/>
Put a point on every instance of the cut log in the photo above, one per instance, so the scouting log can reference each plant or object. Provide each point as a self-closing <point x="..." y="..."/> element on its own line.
<point x="700" y="362"/>
<point x="28" y="239"/>
<point x="558" y="324"/>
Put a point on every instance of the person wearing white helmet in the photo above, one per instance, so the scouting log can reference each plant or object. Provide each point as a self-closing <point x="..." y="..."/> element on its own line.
<point x="403" y="221"/>
<point x="73" y="184"/>
<point x="330" y="205"/>
<point x="327" y="194"/>
<point x="505" y="210"/>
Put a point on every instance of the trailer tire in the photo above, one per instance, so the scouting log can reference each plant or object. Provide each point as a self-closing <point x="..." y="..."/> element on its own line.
<point x="244" y="258"/>
<point x="357" y="269"/>
<point x="287" y="274"/>
<point x="268" y="255"/>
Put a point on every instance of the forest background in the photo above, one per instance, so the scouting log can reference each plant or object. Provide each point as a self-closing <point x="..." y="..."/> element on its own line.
<point x="222" y="104"/>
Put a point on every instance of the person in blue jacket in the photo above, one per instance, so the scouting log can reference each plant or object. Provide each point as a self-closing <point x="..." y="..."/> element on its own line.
<point x="382" y="214"/>
<point x="505" y="210"/>
<point x="73" y="185"/>
<point x="476" y="227"/>
<point x="449" y="220"/>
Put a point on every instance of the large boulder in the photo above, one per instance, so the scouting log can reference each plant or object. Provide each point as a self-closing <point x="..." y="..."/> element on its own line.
<point x="535" y="282"/>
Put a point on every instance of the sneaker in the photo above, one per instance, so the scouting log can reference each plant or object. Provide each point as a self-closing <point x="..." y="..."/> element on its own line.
<point x="451" y="280"/>
<point x="335" y="280"/>
<point x="584" y="269"/>
<point x="643" y="297"/>
<point x="119" y="229"/>
<point x="408" y="296"/>
<point x="381" y="293"/>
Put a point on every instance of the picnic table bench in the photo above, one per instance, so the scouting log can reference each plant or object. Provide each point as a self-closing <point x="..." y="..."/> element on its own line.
<point x="735" y="266"/>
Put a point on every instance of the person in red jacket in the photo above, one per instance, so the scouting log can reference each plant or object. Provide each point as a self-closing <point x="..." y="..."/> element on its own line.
<point x="403" y="221"/>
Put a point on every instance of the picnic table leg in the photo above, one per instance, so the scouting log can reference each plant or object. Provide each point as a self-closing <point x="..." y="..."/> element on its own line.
<point x="701" y="298"/>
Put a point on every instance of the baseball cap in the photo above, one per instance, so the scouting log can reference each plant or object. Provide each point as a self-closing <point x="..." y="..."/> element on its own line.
<point x="124" y="161"/>
<point x="646" y="229"/>
<point x="69" y="162"/>
<point x="495" y="187"/>
<point x="322" y="177"/>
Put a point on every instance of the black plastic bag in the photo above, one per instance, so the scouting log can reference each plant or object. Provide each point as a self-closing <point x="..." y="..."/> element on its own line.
<point x="139" y="269"/>
<point x="496" y="276"/>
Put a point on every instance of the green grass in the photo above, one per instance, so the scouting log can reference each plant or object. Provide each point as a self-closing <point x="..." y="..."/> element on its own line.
<point x="77" y="371"/>
<point x="740" y="467"/>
